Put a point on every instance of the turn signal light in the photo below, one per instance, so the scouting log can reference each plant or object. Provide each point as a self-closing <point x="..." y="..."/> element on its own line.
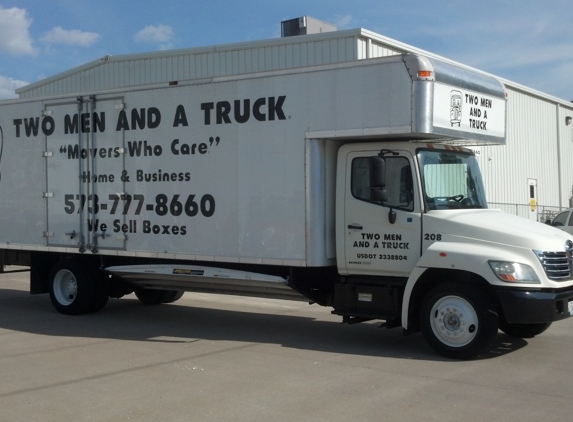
<point x="513" y="272"/>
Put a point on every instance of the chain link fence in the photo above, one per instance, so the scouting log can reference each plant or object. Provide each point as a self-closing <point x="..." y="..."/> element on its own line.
<point x="544" y="212"/>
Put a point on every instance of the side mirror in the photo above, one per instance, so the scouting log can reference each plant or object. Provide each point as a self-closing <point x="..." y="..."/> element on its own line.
<point x="378" y="192"/>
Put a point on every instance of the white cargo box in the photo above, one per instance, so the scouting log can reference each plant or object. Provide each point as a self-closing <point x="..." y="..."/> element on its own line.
<point x="233" y="169"/>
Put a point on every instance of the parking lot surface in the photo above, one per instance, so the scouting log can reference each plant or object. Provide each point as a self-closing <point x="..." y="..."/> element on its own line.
<point x="226" y="358"/>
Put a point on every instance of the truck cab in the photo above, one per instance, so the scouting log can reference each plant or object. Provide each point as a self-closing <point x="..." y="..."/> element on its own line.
<point x="418" y="247"/>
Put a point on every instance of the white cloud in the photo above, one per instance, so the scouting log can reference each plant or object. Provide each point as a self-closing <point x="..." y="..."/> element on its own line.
<point x="8" y="86"/>
<point x="162" y="34"/>
<point x="14" y="36"/>
<point x="59" y="35"/>
<point x="343" y="22"/>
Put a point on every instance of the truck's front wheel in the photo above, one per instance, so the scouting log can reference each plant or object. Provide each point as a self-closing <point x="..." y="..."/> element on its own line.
<point x="458" y="321"/>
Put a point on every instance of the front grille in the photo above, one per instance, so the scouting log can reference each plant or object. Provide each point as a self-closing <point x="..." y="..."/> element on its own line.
<point x="556" y="265"/>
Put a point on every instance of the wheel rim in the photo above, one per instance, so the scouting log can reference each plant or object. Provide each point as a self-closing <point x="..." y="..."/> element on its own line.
<point x="454" y="321"/>
<point x="65" y="287"/>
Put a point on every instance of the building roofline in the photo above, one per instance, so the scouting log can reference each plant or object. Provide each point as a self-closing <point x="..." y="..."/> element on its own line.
<point x="273" y="42"/>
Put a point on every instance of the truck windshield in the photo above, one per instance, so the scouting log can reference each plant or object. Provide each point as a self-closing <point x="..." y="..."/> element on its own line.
<point x="451" y="180"/>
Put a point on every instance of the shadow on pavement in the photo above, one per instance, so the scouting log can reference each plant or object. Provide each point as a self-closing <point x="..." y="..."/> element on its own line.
<point x="188" y="321"/>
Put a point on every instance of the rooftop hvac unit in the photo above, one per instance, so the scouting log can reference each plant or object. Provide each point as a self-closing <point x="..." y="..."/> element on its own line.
<point x="304" y="25"/>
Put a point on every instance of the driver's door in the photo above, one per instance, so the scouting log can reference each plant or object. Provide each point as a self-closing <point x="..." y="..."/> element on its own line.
<point x="373" y="243"/>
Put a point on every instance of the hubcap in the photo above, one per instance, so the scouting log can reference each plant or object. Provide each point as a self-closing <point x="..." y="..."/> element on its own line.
<point x="65" y="287"/>
<point x="454" y="321"/>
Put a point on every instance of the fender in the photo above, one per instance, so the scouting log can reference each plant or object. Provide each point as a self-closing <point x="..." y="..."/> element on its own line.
<point x="467" y="256"/>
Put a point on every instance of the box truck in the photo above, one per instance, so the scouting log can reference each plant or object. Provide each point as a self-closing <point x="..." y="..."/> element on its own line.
<point x="347" y="185"/>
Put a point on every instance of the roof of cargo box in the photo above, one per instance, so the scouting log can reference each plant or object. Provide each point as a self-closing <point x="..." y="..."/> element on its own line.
<point x="162" y="67"/>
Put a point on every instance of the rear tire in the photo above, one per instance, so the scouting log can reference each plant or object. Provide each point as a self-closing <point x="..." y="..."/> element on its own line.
<point x="102" y="292"/>
<point x="73" y="288"/>
<point x="525" y="330"/>
<point x="119" y="288"/>
<point x="173" y="296"/>
<point x="156" y="297"/>
<point x="458" y="321"/>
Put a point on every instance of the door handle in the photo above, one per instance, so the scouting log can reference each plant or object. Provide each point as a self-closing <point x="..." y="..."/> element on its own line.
<point x="355" y="226"/>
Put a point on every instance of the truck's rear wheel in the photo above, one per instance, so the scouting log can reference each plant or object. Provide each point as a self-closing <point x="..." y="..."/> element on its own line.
<point x="458" y="321"/>
<point x="73" y="288"/>
<point x="525" y="330"/>
<point x="102" y="292"/>
<point x="119" y="288"/>
<point x="155" y="297"/>
<point x="173" y="296"/>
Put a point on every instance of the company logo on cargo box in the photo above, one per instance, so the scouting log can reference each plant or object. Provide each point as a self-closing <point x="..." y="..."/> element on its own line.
<point x="264" y="109"/>
<point x="468" y="111"/>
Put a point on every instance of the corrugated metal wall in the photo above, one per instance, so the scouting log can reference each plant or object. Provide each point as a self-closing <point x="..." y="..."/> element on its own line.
<point x="531" y="153"/>
<point x="566" y="153"/>
<point x="370" y="48"/>
<point x="153" y="68"/>
<point x="162" y="67"/>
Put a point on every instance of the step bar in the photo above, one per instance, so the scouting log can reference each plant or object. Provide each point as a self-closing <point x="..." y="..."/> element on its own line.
<point x="206" y="280"/>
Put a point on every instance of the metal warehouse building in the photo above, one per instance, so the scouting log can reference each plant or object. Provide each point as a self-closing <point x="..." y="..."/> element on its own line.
<point x="531" y="176"/>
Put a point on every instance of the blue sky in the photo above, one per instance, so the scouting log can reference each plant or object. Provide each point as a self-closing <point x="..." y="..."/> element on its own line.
<point x="526" y="41"/>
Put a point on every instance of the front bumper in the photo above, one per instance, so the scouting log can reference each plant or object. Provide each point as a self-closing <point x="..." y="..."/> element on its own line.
<point x="524" y="307"/>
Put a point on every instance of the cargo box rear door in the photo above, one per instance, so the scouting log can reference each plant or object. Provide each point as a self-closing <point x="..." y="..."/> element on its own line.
<point x="85" y="195"/>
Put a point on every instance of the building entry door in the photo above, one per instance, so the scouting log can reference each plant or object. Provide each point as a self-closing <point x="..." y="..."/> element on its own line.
<point x="532" y="211"/>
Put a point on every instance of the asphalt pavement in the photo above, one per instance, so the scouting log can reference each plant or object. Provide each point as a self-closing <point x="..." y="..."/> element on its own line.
<point x="226" y="358"/>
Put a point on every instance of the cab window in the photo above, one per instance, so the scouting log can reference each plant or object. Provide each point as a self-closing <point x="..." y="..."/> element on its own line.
<point x="398" y="182"/>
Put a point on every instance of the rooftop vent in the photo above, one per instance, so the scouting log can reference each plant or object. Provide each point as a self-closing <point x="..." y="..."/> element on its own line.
<point x="304" y="26"/>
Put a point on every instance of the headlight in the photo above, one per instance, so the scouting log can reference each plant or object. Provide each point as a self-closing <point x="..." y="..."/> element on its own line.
<point x="512" y="272"/>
